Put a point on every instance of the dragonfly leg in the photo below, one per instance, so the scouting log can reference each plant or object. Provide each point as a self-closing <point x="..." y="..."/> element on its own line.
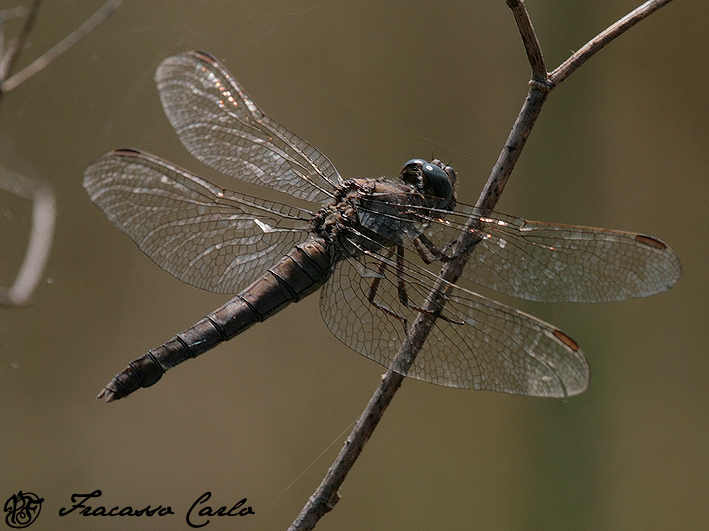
<point x="374" y="286"/>
<point x="437" y="314"/>
<point x="401" y="283"/>
<point x="428" y="251"/>
<point x="401" y="289"/>
<point x="403" y="297"/>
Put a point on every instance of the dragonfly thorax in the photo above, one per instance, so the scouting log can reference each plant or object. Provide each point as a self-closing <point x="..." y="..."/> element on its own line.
<point x="368" y="213"/>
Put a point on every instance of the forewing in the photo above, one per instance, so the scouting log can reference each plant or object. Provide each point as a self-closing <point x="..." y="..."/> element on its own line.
<point x="549" y="262"/>
<point x="476" y="343"/>
<point x="220" y="125"/>
<point x="204" y="235"/>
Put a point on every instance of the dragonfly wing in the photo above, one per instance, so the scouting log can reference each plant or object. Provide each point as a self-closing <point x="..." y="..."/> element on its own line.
<point x="565" y="263"/>
<point x="549" y="262"/>
<point x="476" y="342"/>
<point x="204" y="235"/>
<point x="221" y="126"/>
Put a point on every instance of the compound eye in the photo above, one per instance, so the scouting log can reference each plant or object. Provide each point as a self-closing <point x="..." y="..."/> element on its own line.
<point x="412" y="173"/>
<point x="431" y="178"/>
<point x="417" y="163"/>
<point x="436" y="181"/>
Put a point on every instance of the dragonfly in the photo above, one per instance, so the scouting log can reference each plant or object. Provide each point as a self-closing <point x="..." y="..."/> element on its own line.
<point x="370" y="245"/>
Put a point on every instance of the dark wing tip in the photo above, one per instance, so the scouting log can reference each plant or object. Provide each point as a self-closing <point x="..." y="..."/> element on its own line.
<point x="125" y="152"/>
<point x="203" y="56"/>
<point x="566" y="340"/>
<point x="650" y="241"/>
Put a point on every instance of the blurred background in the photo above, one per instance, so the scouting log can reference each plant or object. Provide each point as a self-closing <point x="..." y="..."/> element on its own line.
<point x="621" y="144"/>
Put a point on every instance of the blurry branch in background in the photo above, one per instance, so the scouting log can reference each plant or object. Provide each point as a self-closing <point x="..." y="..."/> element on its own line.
<point x="541" y="84"/>
<point x="41" y="195"/>
<point x="40" y="240"/>
<point x="9" y="60"/>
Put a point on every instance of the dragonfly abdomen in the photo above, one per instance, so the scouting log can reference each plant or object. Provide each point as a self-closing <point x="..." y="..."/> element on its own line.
<point x="298" y="274"/>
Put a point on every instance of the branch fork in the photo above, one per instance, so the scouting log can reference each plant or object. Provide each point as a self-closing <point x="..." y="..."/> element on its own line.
<point x="541" y="85"/>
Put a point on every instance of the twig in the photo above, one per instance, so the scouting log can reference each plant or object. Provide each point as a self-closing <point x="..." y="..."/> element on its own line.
<point x="42" y="196"/>
<point x="541" y="84"/>
<point x="529" y="39"/>
<point x="40" y="240"/>
<point x="5" y="15"/>
<point x="59" y="48"/>
<point x="599" y="41"/>
<point x="9" y="60"/>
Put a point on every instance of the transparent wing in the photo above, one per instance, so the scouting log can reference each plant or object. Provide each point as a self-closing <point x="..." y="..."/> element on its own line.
<point x="544" y="261"/>
<point x="204" y="235"/>
<point x="221" y="126"/>
<point x="476" y="343"/>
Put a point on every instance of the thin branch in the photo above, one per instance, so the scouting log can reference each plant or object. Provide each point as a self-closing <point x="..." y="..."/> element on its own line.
<point x="42" y="196"/>
<point x="513" y="147"/>
<point x="529" y="38"/>
<point x="9" y="60"/>
<point x="41" y="235"/>
<point x="326" y="496"/>
<point x="5" y="15"/>
<point x="62" y="46"/>
<point x="599" y="41"/>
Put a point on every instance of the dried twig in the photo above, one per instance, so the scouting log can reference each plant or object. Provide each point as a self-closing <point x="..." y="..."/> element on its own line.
<point x="54" y="52"/>
<point x="599" y="41"/>
<point x="5" y="15"/>
<point x="9" y="60"/>
<point x="42" y="196"/>
<point x="541" y="84"/>
<point x="40" y="240"/>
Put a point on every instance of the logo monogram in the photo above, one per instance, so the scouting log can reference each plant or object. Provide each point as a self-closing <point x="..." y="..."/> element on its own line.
<point x="22" y="509"/>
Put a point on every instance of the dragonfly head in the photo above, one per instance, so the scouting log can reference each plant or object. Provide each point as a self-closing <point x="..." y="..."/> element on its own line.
<point x="431" y="178"/>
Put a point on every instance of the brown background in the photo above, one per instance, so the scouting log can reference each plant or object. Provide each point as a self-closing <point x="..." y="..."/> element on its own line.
<point x="621" y="144"/>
